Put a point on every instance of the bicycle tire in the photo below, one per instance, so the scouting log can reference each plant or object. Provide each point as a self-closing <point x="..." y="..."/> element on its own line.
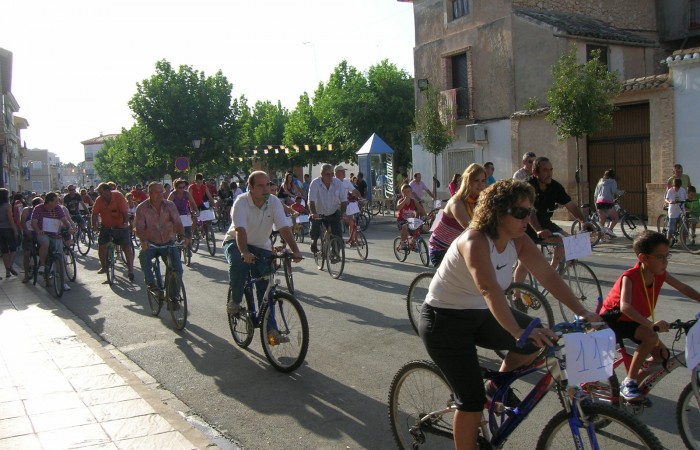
<point x="109" y="265"/>
<point x="400" y="253"/>
<point x="362" y="222"/>
<point x="69" y="264"/>
<point x="83" y="241"/>
<point x="288" y="276"/>
<point x="662" y="223"/>
<point x="335" y="257"/>
<point x="241" y="324"/>
<point x="417" y="291"/>
<point x="34" y="261"/>
<point x="211" y="240"/>
<point x="319" y="258"/>
<point x="688" y="418"/>
<point x="687" y="240"/>
<point x="423" y="252"/>
<point x="534" y="304"/>
<point x="632" y="226"/>
<point x="596" y="235"/>
<point x="155" y="301"/>
<point x="375" y="208"/>
<point x="583" y="282"/>
<point x="186" y="255"/>
<point x="285" y="315"/>
<point x="195" y="239"/>
<point x="59" y="274"/>
<point x="361" y="245"/>
<point x="417" y="389"/>
<point x="177" y="300"/>
<point x="623" y="430"/>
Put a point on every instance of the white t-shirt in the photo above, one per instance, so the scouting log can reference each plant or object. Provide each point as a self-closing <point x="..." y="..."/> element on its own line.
<point x="453" y="286"/>
<point x="257" y="221"/>
<point x="418" y="188"/>
<point x="674" y="210"/>
<point x="327" y="200"/>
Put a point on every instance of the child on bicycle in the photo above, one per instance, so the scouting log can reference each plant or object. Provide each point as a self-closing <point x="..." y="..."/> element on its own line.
<point x="674" y="196"/>
<point x="406" y="208"/>
<point x="633" y="300"/>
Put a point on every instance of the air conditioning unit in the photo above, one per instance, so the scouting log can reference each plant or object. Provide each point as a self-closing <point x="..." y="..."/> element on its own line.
<point x="476" y="133"/>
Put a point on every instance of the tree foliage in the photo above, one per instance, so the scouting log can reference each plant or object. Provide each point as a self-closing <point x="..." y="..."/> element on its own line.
<point x="131" y="157"/>
<point x="581" y="96"/>
<point x="433" y="122"/>
<point x="176" y="107"/>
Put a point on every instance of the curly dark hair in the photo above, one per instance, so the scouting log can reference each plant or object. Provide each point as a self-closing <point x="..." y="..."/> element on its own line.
<point x="647" y="241"/>
<point x="494" y="202"/>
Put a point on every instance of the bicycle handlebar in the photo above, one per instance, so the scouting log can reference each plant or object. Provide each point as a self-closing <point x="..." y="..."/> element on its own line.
<point x="522" y="340"/>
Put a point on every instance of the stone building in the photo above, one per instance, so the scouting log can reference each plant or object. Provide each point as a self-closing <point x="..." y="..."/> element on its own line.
<point x="489" y="58"/>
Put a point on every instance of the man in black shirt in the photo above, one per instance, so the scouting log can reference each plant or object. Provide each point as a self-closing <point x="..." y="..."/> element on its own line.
<point x="73" y="201"/>
<point x="361" y="185"/>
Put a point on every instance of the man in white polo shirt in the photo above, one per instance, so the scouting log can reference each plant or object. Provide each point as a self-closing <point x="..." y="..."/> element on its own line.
<point x="327" y="198"/>
<point x="247" y="240"/>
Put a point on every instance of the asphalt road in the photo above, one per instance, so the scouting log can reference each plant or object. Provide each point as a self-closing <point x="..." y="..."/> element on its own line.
<point x="359" y="337"/>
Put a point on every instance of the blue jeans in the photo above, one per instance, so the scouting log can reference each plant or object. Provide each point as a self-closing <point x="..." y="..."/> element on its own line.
<point x="146" y="258"/>
<point x="238" y="270"/>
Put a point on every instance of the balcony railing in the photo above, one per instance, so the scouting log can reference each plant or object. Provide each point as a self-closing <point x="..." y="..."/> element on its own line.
<point x="457" y="100"/>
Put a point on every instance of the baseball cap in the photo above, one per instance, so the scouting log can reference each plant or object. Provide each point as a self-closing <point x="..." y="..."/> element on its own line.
<point x="338" y="167"/>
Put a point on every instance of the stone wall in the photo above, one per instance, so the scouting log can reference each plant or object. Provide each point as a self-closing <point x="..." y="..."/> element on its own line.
<point x="630" y="15"/>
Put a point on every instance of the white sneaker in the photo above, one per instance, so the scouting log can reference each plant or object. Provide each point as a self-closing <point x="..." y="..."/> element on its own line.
<point x="66" y="287"/>
<point x="41" y="270"/>
<point x="609" y="232"/>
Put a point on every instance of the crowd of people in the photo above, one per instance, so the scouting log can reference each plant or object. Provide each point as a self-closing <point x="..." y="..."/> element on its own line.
<point x="485" y="229"/>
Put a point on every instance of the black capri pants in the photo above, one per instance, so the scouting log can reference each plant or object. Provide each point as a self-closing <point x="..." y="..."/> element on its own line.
<point x="451" y="337"/>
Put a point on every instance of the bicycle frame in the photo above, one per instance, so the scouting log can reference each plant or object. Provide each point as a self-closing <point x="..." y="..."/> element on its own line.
<point x="249" y="293"/>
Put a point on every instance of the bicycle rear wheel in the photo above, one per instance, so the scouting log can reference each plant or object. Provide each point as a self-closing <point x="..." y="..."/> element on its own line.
<point x="631" y="226"/>
<point x="69" y="263"/>
<point x="417" y="291"/>
<point x="596" y="235"/>
<point x="361" y="244"/>
<point x="83" y="240"/>
<point x="400" y="252"/>
<point x="687" y="238"/>
<point x="363" y="221"/>
<point x="241" y="324"/>
<point x="688" y="417"/>
<point x="423" y="252"/>
<point x="155" y="301"/>
<point x="211" y="240"/>
<point x="335" y="257"/>
<point x="585" y="285"/>
<point x="417" y="390"/>
<point x="177" y="300"/>
<point x="284" y="332"/>
<point x="623" y="430"/>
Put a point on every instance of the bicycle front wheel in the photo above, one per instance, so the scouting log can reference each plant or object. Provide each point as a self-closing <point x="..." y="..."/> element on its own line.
<point x="195" y="238"/>
<point x="400" y="252"/>
<point x="186" y="255"/>
<point x="362" y="221"/>
<point x="583" y="282"/>
<point x="69" y="264"/>
<point x="177" y="300"/>
<point x="687" y="238"/>
<point x="623" y="430"/>
<point x="417" y="292"/>
<point x="109" y="266"/>
<point x="423" y="252"/>
<point x="335" y="257"/>
<point x="83" y="240"/>
<point x="58" y="272"/>
<point x="288" y="276"/>
<point x="284" y="332"/>
<point x="418" y="390"/>
<point x="361" y="244"/>
<point x="688" y="418"/>
<point x="632" y="226"/>
<point x="529" y="300"/>
<point x="211" y="240"/>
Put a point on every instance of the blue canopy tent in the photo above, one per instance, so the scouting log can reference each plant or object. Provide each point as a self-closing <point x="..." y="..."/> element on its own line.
<point x="376" y="162"/>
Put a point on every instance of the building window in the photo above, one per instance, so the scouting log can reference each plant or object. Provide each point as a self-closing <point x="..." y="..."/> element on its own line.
<point x="460" y="83"/>
<point x="603" y="54"/>
<point x="460" y="8"/>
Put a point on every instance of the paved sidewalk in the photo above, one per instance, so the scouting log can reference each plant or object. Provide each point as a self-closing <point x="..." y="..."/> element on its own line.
<point x="61" y="387"/>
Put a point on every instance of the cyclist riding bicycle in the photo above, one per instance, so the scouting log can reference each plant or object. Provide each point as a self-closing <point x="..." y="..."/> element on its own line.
<point x="247" y="240"/>
<point x="157" y="222"/>
<point x="186" y="206"/>
<point x="111" y="208"/>
<point x="201" y="193"/>
<point x="352" y="195"/>
<point x="46" y="222"/>
<point x="326" y="197"/>
<point x="74" y="202"/>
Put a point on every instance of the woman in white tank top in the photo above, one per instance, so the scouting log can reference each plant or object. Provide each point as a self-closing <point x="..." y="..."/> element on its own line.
<point x="466" y="306"/>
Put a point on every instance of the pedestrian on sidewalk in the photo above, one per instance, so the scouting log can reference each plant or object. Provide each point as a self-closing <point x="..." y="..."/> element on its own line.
<point x="8" y="233"/>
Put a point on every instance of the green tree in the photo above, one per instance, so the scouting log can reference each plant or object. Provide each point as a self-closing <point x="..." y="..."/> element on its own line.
<point x="580" y="100"/>
<point x="179" y="106"/>
<point x="299" y="131"/>
<point x="268" y="122"/>
<point x="435" y="124"/>
<point x="131" y="157"/>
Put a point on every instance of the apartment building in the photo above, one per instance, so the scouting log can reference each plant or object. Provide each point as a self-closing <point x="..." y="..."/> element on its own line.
<point x="489" y="58"/>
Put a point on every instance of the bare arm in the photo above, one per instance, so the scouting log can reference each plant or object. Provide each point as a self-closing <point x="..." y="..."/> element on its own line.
<point x="576" y="211"/>
<point x="242" y="243"/>
<point x="682" y="287"/>
<point x="288" y="236"/>
<point x="458" y="210"/>
<point x="626" y="307"/>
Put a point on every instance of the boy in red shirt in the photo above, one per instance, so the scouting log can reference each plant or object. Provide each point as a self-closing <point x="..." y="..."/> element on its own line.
<point x="632" y="301"/>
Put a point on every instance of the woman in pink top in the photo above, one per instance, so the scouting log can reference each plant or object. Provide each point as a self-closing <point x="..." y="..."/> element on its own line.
<point x="457" y="213"/>
<point x="453" y="187"/>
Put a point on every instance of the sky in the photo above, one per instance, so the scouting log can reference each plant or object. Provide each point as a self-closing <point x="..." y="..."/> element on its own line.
<point x="76" y="62"/>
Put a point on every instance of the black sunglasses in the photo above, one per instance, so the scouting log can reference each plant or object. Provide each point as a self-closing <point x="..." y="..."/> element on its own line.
<point x="519" y="212"/>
